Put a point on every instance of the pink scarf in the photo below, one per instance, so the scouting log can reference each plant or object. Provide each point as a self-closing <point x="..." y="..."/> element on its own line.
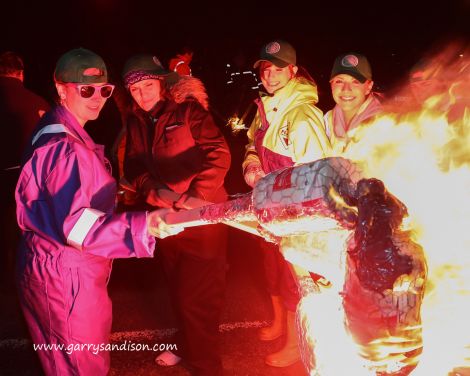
<point x="368" y="109"/>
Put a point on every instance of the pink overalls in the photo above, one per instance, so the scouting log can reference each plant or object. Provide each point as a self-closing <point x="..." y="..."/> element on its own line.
<point x="65" y="208"/>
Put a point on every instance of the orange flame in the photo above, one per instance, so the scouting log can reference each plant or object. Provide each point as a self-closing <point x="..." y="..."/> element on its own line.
<point x="422" y="154"/>
<point x="423" y="158"/>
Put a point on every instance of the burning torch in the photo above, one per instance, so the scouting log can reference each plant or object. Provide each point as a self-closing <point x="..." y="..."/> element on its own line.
<point x="293" y="200"/>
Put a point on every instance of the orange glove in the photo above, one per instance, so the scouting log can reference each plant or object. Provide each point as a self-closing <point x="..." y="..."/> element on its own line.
<point x="253" y="172"/>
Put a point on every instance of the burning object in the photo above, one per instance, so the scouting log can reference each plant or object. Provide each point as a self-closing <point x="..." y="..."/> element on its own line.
<point x="293" y="200"/>
<point x="384" y="283"/>
<point x="377" y="279"/>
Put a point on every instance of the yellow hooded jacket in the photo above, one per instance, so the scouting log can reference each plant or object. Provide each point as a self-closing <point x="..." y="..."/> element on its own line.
<point x="295" y="133"/>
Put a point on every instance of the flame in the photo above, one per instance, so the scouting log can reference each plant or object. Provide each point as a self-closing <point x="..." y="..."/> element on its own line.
<point x="320" y="314"/>
<point x="236" y="124"/>
<point x="423" y="158"/>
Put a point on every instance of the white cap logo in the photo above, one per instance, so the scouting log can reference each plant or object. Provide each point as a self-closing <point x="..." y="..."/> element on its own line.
<point x="273" y="48"/>
<point x="350" y="61"/>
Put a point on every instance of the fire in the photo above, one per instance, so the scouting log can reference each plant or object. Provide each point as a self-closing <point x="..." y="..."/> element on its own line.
<point x="423" y="158"/>
<point x="236" y="124"/>
<point x="321" y="318"/>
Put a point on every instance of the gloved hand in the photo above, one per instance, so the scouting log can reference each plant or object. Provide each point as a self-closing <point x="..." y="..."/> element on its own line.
<point x="182" y="202"/>
<point x="190" y="200"/>
<point x="156" y="225"/>
<point x="253" y="172"/>
<point x="154" y="199"/>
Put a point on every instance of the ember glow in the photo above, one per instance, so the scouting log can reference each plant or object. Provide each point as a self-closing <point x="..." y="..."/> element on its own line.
<point x="423" y="158"/>
<point x="236" y="124"/>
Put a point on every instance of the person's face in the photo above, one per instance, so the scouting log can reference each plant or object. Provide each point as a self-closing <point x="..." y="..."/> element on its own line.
<point x="424" y="89"/>
<point x="84" y="101"/>
<point x="146" y="93"/>
<point x="348" y="92"/>
<point x="275" y="78"/>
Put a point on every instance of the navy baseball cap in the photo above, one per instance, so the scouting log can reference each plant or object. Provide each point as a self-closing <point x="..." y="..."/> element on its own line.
<point x="353" y="64"/>
<point x="278" y="52"/>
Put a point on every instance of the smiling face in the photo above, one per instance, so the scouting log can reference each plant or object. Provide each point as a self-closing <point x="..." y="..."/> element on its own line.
<point x="348" y="93"/>
<point x="146" y="93"/>
<point x="83" y="109"/>
<point x="275" y="78"/>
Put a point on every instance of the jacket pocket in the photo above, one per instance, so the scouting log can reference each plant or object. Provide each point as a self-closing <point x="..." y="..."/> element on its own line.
<point x="178" y="135"/>
<point x="172" y="126"/>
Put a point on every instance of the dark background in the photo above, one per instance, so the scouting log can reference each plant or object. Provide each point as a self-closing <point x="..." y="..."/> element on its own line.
<point x="392" y="34"/>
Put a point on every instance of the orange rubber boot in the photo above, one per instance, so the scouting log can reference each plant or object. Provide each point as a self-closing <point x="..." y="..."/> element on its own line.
<point x="276" y="329"/>
<point x="289" y="354"/>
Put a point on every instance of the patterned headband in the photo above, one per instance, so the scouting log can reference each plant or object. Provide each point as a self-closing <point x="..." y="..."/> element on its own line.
<point x="136" y="76"/>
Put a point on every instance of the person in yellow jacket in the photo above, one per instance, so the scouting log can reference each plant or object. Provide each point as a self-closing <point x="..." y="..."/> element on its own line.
<point x="287" y="130"/>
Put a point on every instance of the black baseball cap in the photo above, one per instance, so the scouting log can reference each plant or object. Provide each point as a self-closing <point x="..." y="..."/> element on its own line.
<point x="353" y="64"/>
<point x="278" y="52"/>
<point x="81" y="66"/>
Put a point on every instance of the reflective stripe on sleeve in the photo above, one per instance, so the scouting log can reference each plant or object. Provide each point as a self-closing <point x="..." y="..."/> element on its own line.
<point x="51" y="128"/>
<point x="82" y="226"/>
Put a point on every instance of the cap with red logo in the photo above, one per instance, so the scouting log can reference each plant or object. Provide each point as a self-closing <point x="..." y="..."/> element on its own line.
<point x="353" y="64"/>
<point x="278" y="52"/>
<point x="81" y="66"/>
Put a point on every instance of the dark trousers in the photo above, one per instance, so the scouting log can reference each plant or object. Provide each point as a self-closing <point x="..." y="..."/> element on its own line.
<point x="194" y="264"/>
<point x="279" y="278"/>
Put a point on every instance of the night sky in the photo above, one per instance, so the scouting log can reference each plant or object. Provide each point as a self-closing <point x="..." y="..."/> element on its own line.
<point x="392" y="38"/>
<point x="233" y="32"/>
<point x="396" y="35"/>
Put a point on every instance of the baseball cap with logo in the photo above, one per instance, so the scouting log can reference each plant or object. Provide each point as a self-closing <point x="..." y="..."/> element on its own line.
<point x="81" y="66"/>
<point x="354" y="64"/>
<point x="278" y="52"/>
<point x="142" y="67"/>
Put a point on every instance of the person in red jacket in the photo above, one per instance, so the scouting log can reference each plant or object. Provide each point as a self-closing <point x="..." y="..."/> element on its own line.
<point x="70" y="232"/>
<point x="173" y="145"/>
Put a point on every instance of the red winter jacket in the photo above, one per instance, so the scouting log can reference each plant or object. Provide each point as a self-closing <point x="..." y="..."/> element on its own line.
<point x="187" y="152"/>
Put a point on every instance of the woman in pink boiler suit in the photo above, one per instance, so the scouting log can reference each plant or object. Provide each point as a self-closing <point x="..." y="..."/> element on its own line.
<point x="70" y="234"/>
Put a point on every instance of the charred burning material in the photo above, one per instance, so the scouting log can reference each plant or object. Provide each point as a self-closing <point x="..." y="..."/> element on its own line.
<point x="316" y="197"/>
<point x="383" y="283"/>
<point x="378" y="260"/>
